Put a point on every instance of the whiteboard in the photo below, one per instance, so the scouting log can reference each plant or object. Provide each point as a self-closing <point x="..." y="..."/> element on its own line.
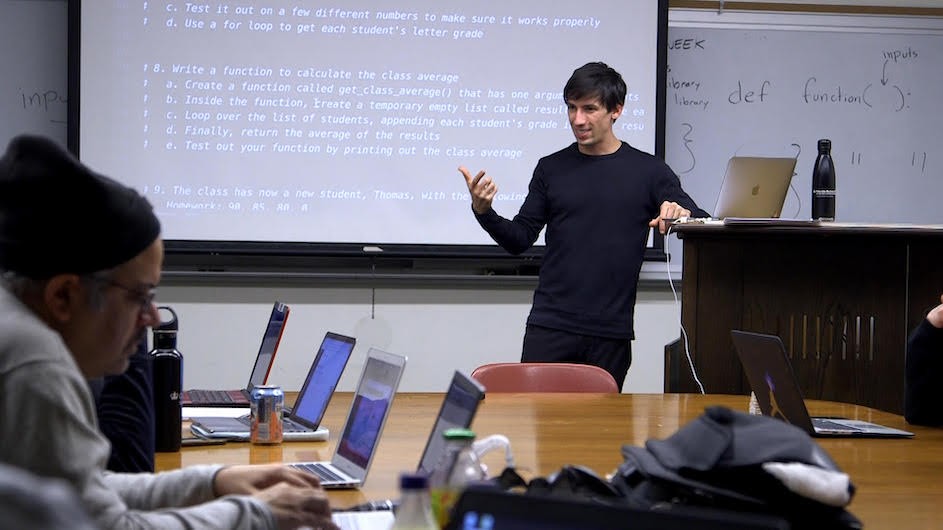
<point x="33" y="59"/>
<point x="772" y="84"/>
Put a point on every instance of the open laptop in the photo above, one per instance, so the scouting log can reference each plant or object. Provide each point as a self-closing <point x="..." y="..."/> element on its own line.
<point x="458" y="410"/>
<point x="369" y="410"/>
<point x="260" y="370"/>
<point x="754" y="187"/>
<point x="303" y="423"/>
<point x="487" y="508"/>
<point x="767" y="366"/>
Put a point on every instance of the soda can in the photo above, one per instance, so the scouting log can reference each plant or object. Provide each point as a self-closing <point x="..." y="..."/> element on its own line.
<point x="265" y="402"/>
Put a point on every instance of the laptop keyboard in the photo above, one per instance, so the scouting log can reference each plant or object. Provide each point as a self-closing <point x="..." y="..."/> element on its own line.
<point x="287" y="425"/>
<point x="321" y="471"/>
<point x="827" y="425"/>
<point x="210" y="396"/>
<point x="290" y="426"/>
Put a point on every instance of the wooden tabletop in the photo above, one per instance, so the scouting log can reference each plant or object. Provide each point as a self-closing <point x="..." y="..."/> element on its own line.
<point x="899" y="482"/>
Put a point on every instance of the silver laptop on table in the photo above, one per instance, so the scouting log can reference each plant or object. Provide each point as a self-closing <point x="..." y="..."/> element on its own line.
<point x="271" y="338"/>
<point x="369" y="410"/>
<point x="754" y="187"/>
<point x="767" y="366"/>
<point x="303" y="423"/>
<point x="458" y="410"/>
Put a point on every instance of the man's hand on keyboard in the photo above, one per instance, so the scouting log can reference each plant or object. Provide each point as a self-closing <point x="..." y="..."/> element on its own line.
<point x="295" y="497"/>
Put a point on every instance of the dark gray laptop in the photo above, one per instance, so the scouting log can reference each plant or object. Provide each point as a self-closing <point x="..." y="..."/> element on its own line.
<point x="271" y="338"/>
<point x="303" y="423"/>
<point x="767" y="366"/>
<point x="458" y="410"/>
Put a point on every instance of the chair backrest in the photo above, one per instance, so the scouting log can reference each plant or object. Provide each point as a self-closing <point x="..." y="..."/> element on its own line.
<point x="544" y="377"/>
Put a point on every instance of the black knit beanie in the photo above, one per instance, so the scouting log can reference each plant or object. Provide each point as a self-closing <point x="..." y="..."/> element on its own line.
<point x="58" y="216"/>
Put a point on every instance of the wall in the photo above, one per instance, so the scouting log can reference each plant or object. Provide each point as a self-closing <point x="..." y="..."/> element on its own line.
<point x="440" y="329"/>
<point x="771" y="84"/>
<point x="33" y="61"/>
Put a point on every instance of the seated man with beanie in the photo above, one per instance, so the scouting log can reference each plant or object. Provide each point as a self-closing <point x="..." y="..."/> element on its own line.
<point x="80" y="257"/>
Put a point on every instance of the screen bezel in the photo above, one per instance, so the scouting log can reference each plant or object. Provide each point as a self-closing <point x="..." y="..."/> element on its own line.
<point x="294" y="415"/>
<point x="279" y="315"/>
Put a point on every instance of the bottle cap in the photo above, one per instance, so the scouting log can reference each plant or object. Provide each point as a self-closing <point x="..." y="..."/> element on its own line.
<point x="413" y="481"/>
<point x="165" y="333"/>
<point x="825" y="144"/>
<point x="459" y="434"/>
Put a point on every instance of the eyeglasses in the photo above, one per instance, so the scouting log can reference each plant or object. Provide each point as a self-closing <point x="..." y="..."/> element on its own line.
<point x="144" y="298"/>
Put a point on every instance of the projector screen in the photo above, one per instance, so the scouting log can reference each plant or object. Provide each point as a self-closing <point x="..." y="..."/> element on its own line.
<point x="345" y="122"/>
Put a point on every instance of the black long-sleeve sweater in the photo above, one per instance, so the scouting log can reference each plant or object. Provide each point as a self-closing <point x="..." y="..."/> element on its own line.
<point x="596" y="210"/>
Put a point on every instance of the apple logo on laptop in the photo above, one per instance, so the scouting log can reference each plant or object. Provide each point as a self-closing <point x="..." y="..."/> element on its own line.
<point x="756" y="190"/>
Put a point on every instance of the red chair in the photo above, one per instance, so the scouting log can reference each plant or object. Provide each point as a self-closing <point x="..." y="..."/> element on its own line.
<point x="544" y="377"/>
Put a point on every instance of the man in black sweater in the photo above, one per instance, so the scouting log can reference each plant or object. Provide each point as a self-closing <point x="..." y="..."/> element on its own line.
<point x="923" y="402"/>
<point x="598" y="199"/>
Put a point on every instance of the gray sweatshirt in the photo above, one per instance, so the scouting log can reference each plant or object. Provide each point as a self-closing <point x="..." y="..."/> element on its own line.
<point x="48" y="426"/>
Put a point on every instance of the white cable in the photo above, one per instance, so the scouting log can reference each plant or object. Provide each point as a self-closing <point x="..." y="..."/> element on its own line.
<point x="792" y="186"/>
<point x="684" y="334"/>
<point x="495" y="441"/>
<point x="798" y="200"/>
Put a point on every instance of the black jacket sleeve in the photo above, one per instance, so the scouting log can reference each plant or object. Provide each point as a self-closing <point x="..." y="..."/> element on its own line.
<point x="126" y="415"/>
<point x="923" y="402"/>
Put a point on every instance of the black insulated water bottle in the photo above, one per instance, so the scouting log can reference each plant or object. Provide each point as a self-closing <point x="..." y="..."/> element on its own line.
<point x="167" y="366"/>
<point x="823" y="183"/>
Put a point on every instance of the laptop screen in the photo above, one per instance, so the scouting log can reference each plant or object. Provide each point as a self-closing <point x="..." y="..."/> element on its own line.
<point x="368" y="411"/>
<point x="322" y="379"/>
<point x="270" y="340"/>
<point x="458" y="410"/>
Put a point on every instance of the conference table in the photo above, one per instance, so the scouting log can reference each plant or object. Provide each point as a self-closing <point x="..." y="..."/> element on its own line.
<point x="899" y="481"/>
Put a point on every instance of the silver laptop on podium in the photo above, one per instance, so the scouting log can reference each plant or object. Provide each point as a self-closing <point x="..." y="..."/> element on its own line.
<point x="754" y="187"/>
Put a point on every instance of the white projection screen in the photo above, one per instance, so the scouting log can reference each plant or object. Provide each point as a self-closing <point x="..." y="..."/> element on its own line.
<point x="345" y="122"/>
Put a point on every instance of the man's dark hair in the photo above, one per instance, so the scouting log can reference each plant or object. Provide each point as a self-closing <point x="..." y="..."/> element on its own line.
<point x="596" y="79"/>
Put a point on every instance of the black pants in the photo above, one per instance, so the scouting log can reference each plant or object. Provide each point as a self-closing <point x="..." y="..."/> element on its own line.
<point x="556" y="346"/>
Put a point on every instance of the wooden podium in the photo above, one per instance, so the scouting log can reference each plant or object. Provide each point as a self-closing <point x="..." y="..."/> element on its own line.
<point x="843" y="297"/>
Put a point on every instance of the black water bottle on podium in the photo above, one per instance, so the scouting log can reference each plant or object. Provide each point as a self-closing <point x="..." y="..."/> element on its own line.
<point x="167" y="366"/>
<point x="823" y="184"/>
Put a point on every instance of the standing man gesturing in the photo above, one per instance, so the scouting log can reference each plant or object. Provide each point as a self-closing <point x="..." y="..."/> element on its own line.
<point x="598" y="198"/>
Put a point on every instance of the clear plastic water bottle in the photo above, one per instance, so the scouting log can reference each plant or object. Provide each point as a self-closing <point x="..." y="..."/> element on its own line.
<point x="167" y="370"/>
<point x="823" y="183"/>
<point x="415" y="508"/>
<point x="458" y="467"/>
